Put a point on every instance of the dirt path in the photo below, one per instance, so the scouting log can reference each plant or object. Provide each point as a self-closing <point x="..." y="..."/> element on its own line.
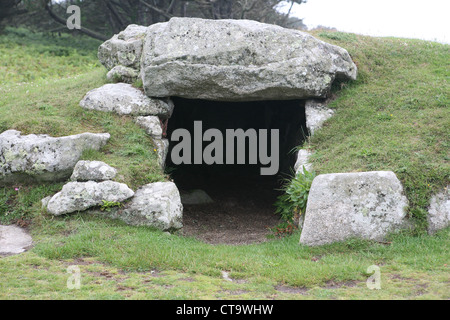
<point x="242" y="212"/>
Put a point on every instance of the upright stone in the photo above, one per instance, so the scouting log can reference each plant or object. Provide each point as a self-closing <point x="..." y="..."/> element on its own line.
<point x="316" y="114"/>
<point x="155" y="205"/>
<point x="302" y="161"/>
<point x="439" y="211"/>
<point x="365" y="205"/>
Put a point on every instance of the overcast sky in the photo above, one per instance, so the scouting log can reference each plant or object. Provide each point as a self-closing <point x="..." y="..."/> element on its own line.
<point x="421" y="19"/>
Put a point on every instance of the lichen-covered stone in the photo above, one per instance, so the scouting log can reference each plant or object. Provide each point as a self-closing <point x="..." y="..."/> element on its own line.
<point x="124" y="99"/>
<point x="122" y="74"/>
<point x="439" y="211"/>
<point x="316" y="114"/>
<point x="80" y="196"/>
<point x="92" y="171"/>
<point x="162" y="147"/>
<point x="13" y="240"/>
<point x="238" y="60"/>
<point x="123" y="49"/>
<point x="365" y="205"/>
<point x="41" y="157"/>
<point x="155" y="205"/>
<point x="151" y="125"/>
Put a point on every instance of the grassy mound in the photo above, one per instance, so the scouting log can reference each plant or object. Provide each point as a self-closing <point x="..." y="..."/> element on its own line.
<point x="49" y="105"/>
<point x="394" y="117"/>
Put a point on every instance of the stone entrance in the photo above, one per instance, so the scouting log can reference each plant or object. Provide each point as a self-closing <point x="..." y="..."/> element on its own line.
<point x="243" y="199"/>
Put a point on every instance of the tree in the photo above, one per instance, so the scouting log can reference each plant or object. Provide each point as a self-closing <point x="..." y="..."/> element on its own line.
<point x="9" y="8"/>
<point x="102" y="18"/>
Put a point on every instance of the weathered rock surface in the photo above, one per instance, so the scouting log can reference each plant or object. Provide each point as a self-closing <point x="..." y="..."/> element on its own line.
<point x="79" y="196"/>
<point x="302" y="161"/>
<point x="366" y="205"/>
<point x="196" y="196"/>
<point x="316" y="114"/>
<point x="92" y="171"/>
<point x="156" y="205"/>
<point x="439" y="211"/>
<point x="124" y="99"/>
<point x="162" y="147"/>
<point x="122" y="74"/>
<point x="41" y="157"/>
<point x="151" y="125"/>
<point x="13" y="240"/>
<point x="45" y="201"/>
<point x="237" y="60"/>
<point x="123" y="49"/>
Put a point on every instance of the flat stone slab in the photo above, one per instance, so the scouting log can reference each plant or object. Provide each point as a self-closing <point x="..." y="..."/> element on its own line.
<point x="42" y="157"/>
<point x="238" y="60"/>
<point x="80" y="196"/>
<point x="124" y="99"/>
<point x="92" y="171"/>
<point x="13" y="240"/>
<point x="364" y="205"/>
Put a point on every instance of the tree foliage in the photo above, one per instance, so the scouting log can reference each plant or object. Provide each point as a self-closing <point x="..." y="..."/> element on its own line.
<point x="102" y="18"/>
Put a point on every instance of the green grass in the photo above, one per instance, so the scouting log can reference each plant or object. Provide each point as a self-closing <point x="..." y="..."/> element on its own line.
<point x="51" y="107"/>
<point x="124" y="260"/>
<point x="29" y="56"/>
<point x="394" y="117"/>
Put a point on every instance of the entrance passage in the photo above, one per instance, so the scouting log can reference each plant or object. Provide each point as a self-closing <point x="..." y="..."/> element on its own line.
<point x="243" y="207"/>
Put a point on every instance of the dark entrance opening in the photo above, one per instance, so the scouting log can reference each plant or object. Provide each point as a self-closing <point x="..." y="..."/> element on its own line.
<point x="243" y="207"/>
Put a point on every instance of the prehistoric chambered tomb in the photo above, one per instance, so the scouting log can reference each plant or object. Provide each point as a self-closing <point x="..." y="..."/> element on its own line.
<point x="226" y="103"/>
<point x="227" y="74"/>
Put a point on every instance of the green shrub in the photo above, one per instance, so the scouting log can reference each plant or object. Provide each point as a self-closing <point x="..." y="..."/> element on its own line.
<point x="292" y="203"/>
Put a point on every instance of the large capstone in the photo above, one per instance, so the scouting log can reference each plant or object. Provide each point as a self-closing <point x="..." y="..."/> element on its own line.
<point x="41" y="157"/>
<point x="227" y="60"/>
<point x="238" y="60"/>
<point x="364" y="205"/>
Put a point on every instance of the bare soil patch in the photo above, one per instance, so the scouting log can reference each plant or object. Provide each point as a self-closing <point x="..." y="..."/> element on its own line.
<point x="242" y="213"/>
